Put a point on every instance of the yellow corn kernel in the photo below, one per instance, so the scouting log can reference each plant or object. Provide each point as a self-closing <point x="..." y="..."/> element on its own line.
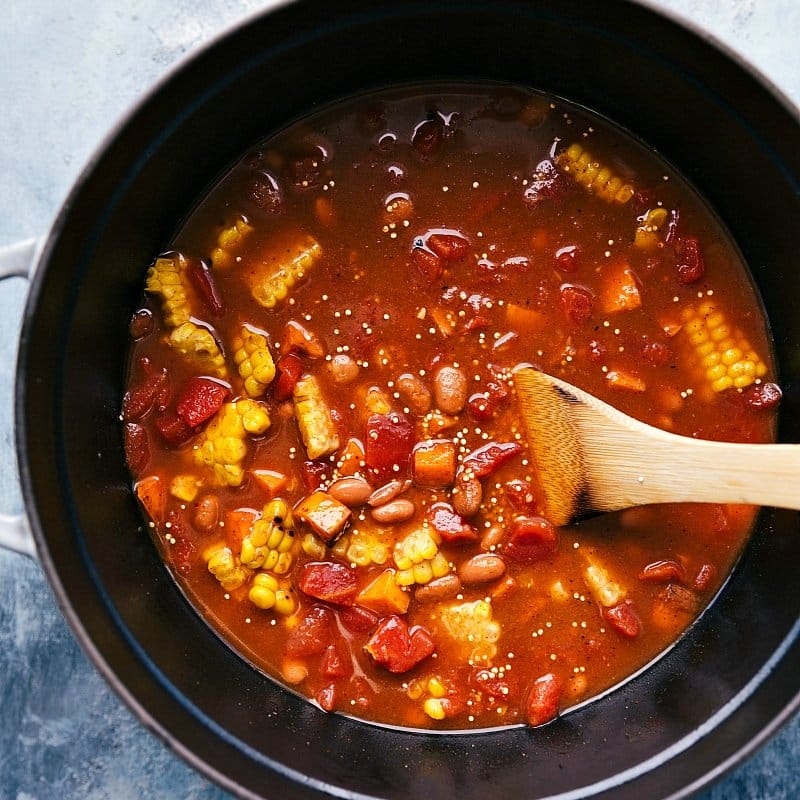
<point x="473" y="626"/>
<point x="228" y="241"/>
<point x="284" y="602"/>
<point x="313" y="546"/>
<point x="436" y="688"/>
<point x="647" y="233"/>
<point x="224" y="566"/>
<point x="222" y="447"/>
<point x="724" y="358"/>
<point x="270" y="284"/>
<point x="254" y="361"/>
<point x="314" y="418"/>
<point x="198" y="346"/>
<point x="269" y="545"/>
<point x="184" y="487"/>
<point x="594" y="176"/>
<point x="434" y="708"/>
<point x="262" y="591"/>
<point x="167" y="278"/>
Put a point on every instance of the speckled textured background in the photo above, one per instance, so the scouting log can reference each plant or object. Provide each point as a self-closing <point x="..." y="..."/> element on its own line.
<point x="68" y="71"/>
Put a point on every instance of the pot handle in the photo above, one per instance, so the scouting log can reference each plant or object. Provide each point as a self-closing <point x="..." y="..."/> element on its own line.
<point x="17" y="261"/>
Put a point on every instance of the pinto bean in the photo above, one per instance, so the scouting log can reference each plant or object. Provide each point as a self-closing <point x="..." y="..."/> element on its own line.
<point x="387" y="493"/>
<point x="350" y="491"/>
<point x="467" y="496"/>
<point x="343" y="369"/>
<point x="482" y="568"/>
<point x="450" y="389"/>
<point x="206" y="513"/>
<point x="438" y="589"/>
<point x="492" y="537"/>
<point x="396" y="511"/>
<point x="414" y="393"/>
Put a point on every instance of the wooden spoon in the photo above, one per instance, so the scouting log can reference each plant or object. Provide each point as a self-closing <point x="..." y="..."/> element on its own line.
<point x="592" y="458"/>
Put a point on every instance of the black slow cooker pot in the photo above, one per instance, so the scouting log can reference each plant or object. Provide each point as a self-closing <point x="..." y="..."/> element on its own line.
<point x="730" y="682"/>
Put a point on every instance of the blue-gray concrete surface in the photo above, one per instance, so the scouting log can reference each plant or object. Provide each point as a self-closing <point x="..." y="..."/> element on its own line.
<point x="68" y="70"/>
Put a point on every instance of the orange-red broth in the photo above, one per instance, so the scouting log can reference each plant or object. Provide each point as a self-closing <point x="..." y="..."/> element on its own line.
<point x="368" y="181"/>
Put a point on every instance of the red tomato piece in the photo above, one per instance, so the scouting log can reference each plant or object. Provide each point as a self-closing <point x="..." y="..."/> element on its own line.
<point x="202" y="278"/>
<point x="543" y="699"/>
<point x="428" y="137"/>
<point x="181" y="548"/>
<point x="482" y="407"/>
<point x="139" y="400"/>
<point x="450" y="525"/>
<point x="520" y="495"/>
<point x="357" y="619"/>
<point x="174" y="431"/>
<point x="567" y="258"/>
<point x="663" y="572"/>
<point x="657" y="354"/>
<point x="288" y="370"/>
<point x="314" y="474"/>
<point x="200" y="399"/>
<point x="397" y="648"/>
<point x="705" y="577"/>
<point x="486" y="681"/>
<point x="332" y="664"/>
<point x="388" y="444"/>
<point x="428" y="264"/>
<point x="690" y="266"/>
<point x="450" y="246"/>
<point x="485" y="460"/>
<point x="326" y="697"/>
<point x="546" y="183"/>
<point x="531" y="539"/>
<point x="312" y="635"/>
<point x="137" y="447"/>
<point x="576" y="302"/>
<point x="329" y="581"/>
<point x="623" y="619"/>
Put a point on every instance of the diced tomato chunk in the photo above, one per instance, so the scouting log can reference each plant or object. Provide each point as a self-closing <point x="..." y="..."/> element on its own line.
<point x="137" y="447"/>
<point x="428" y="264"/>
<point x="174" y="431"/>
<point x="199" y="399"/>
<point x="690" y="266"/>
<point x="663" y="572"/>
<point x="140" y="399"/>
<point x="530" y="539"/>
<point x="567" y="258"/>
<point x="486" y="459"/>
<point x="288" y="370"/>
<point x="448" y="246"/>
<point x="576" y="302"/>
<point x="312" y="635"/>
<point x="357" y="619"/>
<point x="623" y="619"/>
<point x="450" y="525"/>
<point x="202" y="278"/>
<point x="333" y="665"/>
<point x="428" y="137"/>
<point x="705" y="577"/>
<point x="329" y="581"/>
<point x="520" y="495"/>
<point x="326" y="697"/>
<point x="314" y="474"/>
<point x="397" y="648"/>
<point x="388" y="444"/>
<point x="543" y="699"/>
<point x="487" y="682"/>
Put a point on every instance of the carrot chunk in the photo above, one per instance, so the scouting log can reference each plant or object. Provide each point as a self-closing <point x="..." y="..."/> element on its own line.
<point x="152" y="494"/>
<point x="434" y="463"/>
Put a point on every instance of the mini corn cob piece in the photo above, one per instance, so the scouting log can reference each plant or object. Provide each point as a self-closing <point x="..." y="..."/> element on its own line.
<point x="226" y="568"/>
<point x="604" y="589"/>
<point x="254" y="360"/>
<point x="474" y="626"/>
<point x="228" y="241"/>
<point x="362" y="548"/>
<point x="593" y="175"/>
<point x="269" y="545"/>
<point x="314" y="418"/>
<point x="199" y="346"/>
<point x="265" y="592"/>
<point x="270" y="284"/>
<point x="222" y="447"/>
<point x="650" y="224"/>
<point x="725" y="358"/>
<point x="418" y="558"/>
<point x="167" y="278"/>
